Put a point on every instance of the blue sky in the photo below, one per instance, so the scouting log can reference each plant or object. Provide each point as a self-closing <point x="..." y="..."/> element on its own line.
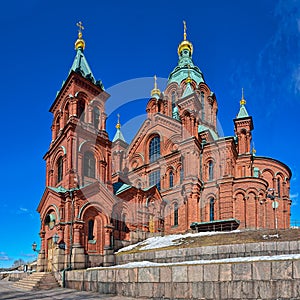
<point x="253" y="44"/>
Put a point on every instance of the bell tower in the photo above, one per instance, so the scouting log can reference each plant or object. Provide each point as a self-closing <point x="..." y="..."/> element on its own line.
<point x="79" y="152"/>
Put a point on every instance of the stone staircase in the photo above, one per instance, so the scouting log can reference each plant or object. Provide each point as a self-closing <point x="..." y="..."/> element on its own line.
<point x="37" y="281"/>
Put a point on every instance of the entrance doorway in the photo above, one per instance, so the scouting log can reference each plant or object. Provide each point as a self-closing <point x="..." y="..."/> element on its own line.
<point x="50" y="252"/>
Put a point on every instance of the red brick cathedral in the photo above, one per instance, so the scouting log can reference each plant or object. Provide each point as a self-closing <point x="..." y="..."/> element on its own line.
<point x="177" y="172"/>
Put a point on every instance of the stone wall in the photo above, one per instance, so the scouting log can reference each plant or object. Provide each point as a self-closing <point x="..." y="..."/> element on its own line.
<point x="277" y="279"/>
<point x="212" y="252"/>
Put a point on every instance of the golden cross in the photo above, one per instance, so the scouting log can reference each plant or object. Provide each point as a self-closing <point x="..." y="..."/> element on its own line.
<point x="184" y="30"/>
<point x="80" y="26"/>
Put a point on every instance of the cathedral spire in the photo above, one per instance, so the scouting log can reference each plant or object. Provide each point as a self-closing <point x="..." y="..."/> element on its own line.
<point x="243" y="111"/>
<point x="155" y="92"/>
<point x="118" y="135"/>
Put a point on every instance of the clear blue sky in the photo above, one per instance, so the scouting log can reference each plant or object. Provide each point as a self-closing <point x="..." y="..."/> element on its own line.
<point x="253" y="44"/>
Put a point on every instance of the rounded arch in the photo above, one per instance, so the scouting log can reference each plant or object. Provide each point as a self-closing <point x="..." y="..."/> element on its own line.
<point x="153" y="145"/>
<point x="60" y="151"/>
<point x="92" y="205"/>
<point x="49" y="209"/>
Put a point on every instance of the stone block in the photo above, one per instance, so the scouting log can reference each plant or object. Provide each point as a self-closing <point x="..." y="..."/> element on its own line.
<point x="168" y="290"/>
<point x="158" y="290"/>
<point x="296" y="269"/>
<point x="261" y="270"/>
<point x="209" y="250"/>
<point x="269" y="247"/>
<point x="224" y="249"/>
<point x="179" y="274"/>
<point x="293" y="247"/>
<point x="247" y="290"/>
<point x="234" y="289"/>
<point x="198" y="290"/>
<point x="283" y="247"/>
<point x="145" y="290"/>
<point x="282" y="269"/>
<point x="122" y="275"/>
<point x="94" y="286"/>
<point x="133" y="275"/>
<point x="195" y="273"/>
<point x="264" y="289"/>
<point x="224" y="289"/>
<point x="149" y="256"/>
<point x="211" y="272"/>
<point x="241" y="271"/>
<point x="110" y="275"/>
<point x="284" y="289"/>
<point x="225" y="272"/>
<point x="165" y="274"/>
<point x="160" y="254"/>
<point x="253" y="248"/>
<point x="181" y="290"/>
<point x="94" y="275"/>
<point x="211" y="290"/>
<point x="148" y="275"/>
<point x="238" y="248"/>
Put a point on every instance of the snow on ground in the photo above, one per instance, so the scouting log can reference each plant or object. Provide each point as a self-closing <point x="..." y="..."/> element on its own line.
<point x="169" y="240"/>
<point x="142" y="264"/>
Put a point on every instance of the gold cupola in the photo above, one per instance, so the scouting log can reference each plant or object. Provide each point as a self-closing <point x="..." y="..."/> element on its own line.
<point x="80" y="43"/>
<point x="185" y="44"/>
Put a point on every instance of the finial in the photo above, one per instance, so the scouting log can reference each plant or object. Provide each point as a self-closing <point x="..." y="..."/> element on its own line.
<point x="243" y="101"/>
<point x="185" y="44"/>
<point x="189" y="79"/>
<point x="253" y="149"/>
<point x="80" y="42"/>
<point x="155" y="91"/>
<point x="184" y="30"/>
<point x="118" y="126"/>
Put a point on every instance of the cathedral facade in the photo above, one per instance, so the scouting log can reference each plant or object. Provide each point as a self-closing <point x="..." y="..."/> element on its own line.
<point x="176" y="173"/>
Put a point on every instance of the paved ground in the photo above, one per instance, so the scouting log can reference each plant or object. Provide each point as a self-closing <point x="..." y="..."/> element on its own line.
<point x="8" y="291"/>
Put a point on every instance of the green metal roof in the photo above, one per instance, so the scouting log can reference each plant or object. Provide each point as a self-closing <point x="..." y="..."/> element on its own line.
<point x="118" y="136"/>
<point x="242" y="112"/>
<point x="212" y="132"/>
<point x="188" y="90"/>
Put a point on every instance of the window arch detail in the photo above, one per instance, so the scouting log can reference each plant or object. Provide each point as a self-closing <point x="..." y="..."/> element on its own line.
<point x="89" y="164"/>
<point x="175" y="214"/>
<point x="154" y="149"/>
<point x="210" y="170"/>
<point x="59" y="165"/>
<point x="212" y="209"/>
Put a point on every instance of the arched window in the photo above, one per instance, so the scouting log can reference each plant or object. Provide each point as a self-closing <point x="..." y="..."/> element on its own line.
<point x="202" y="106"/>
<point x="57" y="126"/>
<point x="80" y="110"/>
<point x="89" y="165"/>
<point x="173" y="100"/>
<point x="175" y="214"/>
<point x="210" y="170"/>
<point x="171" y="179"/>
<point x="59" y="169"/>
<point x="91" y="230"/>
<point x="96" y="115"/>
<point x="154" y="179"/>
<point x="211" y="209"/>
<point x="278" y="187"/>
<point x="181" y="174"/>
<point x="124" y="227"/>
<point x="154" y="149"/>
<point x="66" y="114"/>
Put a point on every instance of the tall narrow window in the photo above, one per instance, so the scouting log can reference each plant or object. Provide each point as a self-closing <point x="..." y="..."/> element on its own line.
<point x="96" y="115"/>
<point x="89" y="164"/>
<point x="171" y="179"/>
<point x="124" y="227"/>
<point x="80" y="109"/>
<point x="91" y="230"/>
<point x="211" y="209"/>
<point x="67" y="114"/>
<point x="210" y="170"/>
<point x="154" y="179"/>
<point x="173" y="100"/>
<point x="154" y="149"/>
<point x="175" y="214"/>
<point x="202" y="107"/>
<point x="181" y="174"/>
<point x="59" y="169"/>
<point x="278" y="187"/>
